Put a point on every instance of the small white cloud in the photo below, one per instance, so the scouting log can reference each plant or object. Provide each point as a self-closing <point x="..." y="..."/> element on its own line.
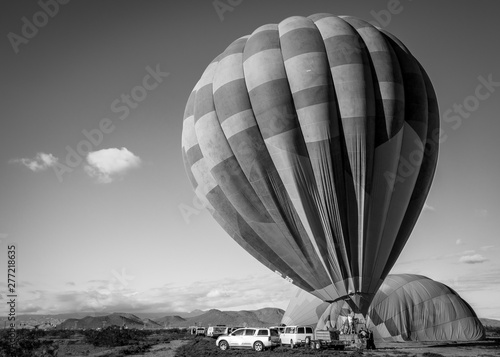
<point x="472" y="259"/>
<point x="218" y="293"/>
<point x="40" y="162"/>
<point x="487" y="247"/>
<point x="459" y="242"/>
<point x="107" y="164"/>
<point x="428" y="207"/>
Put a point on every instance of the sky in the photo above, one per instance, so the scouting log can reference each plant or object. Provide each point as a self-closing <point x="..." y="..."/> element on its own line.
<point x="93" y="191"/>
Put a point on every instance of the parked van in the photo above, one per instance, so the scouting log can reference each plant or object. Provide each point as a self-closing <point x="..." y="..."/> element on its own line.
<point x="297" y="335"/>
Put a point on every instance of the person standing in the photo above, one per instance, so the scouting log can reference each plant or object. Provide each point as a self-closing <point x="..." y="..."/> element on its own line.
<point x="350" y="322"/>
<point x="370" y="343"/>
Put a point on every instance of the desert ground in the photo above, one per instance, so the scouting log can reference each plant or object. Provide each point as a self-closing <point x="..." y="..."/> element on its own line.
<point x="486" y="348"/>
<point x="160" y="343"/>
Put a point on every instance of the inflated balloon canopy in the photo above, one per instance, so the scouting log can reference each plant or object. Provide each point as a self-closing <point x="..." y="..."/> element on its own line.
<point x="313" y="143"/>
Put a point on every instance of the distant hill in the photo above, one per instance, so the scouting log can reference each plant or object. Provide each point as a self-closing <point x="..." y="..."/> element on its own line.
<point x="188" y="315"/>
<point x="46" y="321"/>
<point x="148" y="323"/>
<point x="269" y="315"/>
<point x="262" y="317"/>
<point x="490" y="322"/>
<point x="116" y="319"/>
<point x="168" y="321"/>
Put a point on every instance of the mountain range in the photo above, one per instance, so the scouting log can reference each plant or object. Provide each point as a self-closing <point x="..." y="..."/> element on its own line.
<point x="261" y="317"/>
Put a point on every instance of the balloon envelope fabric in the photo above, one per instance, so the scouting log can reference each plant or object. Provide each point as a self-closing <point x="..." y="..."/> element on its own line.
<point x="304" y="309"/>
<point x="416" y="308"/>
<point x="313" y="143"/>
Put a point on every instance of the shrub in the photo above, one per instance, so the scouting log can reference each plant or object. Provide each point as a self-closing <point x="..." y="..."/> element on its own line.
<point x="113" y="336"/>
<point x="492" y="330"/>
<point x="27" y="343"/>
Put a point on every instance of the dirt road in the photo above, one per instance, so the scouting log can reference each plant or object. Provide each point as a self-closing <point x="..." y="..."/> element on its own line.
<point x="164" y="349"/>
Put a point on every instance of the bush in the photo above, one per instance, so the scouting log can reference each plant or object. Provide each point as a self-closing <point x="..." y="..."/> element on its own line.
<point x="492" y="331"/>
<point x="27" y="343"/>
<point x="114" y="336"/>
<point x="62" y="334"/>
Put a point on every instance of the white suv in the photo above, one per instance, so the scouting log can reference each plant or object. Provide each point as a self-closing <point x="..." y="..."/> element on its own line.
<point x="296" y="335"/>
<point x="258" y="338"/>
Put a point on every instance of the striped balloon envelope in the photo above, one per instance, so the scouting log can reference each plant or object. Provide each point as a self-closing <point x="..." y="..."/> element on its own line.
<point x="313" y="143"/>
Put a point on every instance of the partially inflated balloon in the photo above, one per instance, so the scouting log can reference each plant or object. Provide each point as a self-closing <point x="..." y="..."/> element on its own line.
<point x="313" y="144"/>
<point x="415" y="308"/>
<point x="304" y="309"/>
<point x="406" y="308"/>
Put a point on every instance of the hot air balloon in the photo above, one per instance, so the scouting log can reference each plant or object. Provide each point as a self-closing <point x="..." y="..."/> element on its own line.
<point x="312" y="143"/>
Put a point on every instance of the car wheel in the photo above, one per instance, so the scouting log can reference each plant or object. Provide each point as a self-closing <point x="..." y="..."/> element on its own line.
<point x="223" y="345"/>
<point x="258" y="346"/>
<point x="291" y="344"/>
<point x="318" y="345"/>
<point x="308" y="340"/>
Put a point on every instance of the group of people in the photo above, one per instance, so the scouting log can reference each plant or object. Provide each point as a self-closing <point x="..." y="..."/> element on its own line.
<point x="367" y="335"/>
<point x="350" y="327"/>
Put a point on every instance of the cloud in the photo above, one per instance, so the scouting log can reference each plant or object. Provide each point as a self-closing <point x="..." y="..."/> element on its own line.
<point x="472" y="259"/>
<point x="106" y="165"/>
<point x="474" y="281"/>
<point x="487" y="247"/>
<point x="245" y="293"/>
<point x="218" y="293"/>
<point x="40" y="162"/>
<point x="459" y="242"/>
<point x="428" y="207"/>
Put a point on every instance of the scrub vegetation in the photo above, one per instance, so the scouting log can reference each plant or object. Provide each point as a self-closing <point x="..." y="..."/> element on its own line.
<point x="113" y="341"/>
